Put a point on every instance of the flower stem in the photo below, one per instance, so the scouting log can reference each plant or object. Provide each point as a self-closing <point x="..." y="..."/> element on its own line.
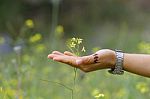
<point x="58" y="83"/>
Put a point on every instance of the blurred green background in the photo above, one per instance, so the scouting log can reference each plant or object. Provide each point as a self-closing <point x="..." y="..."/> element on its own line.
<point x="31" y="29"/>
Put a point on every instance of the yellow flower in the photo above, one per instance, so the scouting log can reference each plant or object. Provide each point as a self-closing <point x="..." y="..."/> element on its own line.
<point x="26" y="58"/>
<point x="73" y="39"/>
<point x="2" y="40"/>
<point x="40" y="48"/>
<point x="144" y="47"/>
<point x="142" y="87"/>
<point x="72" y="45"/>
<point x="75" y="45"/>
<point x="10" y="92"/>
<point x="79" y="41"/>
<point x="35" y="38"/>
<point x="83" y="49"/>
<point x="97" y="94"/>
<point x="59" y="31"/>
<point x="1" y="89"/>
<point x="20" y="97"/>
<point x="29" y="23"/>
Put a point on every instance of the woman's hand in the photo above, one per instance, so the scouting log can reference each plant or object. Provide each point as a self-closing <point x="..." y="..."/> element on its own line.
<point x="100" y="60"/>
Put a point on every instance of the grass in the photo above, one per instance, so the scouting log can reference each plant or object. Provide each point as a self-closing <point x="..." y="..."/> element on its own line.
<point x="37" y="68"/>
<point x="26" y="73"/>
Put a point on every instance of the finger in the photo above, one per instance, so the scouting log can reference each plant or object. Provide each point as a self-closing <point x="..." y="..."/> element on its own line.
<point x="66" y="59"/>
<point x="51" y="56"/>
<point x="68" y="53"/>
<point x="57" y="52"/>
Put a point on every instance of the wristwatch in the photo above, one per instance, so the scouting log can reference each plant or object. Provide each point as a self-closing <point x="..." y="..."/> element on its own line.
<point x="118" y="69"/>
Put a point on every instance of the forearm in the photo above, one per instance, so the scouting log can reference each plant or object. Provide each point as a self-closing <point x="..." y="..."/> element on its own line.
<point x="137" y="63"/>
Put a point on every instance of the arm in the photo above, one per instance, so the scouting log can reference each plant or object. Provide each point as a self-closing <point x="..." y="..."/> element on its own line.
<point x="102" y="59"/>
<point x="137" y="63"/>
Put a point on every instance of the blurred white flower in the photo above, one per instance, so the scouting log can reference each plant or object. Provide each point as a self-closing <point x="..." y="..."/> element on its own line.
<point x="17" y="49"/>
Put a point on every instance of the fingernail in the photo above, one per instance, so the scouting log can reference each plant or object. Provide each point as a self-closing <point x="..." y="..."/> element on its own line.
<point x="49" y="56"/>
<point x="78" y="62"/>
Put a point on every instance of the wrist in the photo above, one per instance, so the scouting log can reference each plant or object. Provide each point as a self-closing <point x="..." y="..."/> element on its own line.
<point x="108" y="58"/>
<point x="112" y="59"/>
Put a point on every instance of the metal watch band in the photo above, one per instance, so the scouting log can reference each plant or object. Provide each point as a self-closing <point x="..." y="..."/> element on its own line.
<point x="119" y="63"/>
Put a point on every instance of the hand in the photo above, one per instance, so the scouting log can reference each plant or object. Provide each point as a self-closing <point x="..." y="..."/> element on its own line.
<point x="100" y="60"/>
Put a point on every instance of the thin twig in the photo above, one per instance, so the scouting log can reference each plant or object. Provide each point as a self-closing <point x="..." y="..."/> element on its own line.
<point x="58" y="83"/>
<point x="75" y="75"/>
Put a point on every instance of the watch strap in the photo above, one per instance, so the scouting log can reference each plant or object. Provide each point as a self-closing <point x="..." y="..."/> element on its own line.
<point x="118" y="69"/>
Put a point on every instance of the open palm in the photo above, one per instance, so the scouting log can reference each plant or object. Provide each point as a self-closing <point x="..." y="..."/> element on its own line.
<point x="101" y="59"/>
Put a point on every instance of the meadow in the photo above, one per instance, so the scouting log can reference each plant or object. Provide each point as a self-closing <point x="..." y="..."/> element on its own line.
<point x="26" y="73"/>
<point x="32" y="29"/>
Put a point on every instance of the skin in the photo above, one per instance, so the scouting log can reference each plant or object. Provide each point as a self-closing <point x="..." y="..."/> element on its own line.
<point x="104" y="59"/>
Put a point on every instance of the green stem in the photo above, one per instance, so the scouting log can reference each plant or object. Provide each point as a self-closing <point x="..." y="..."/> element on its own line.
<point x="75" y="75"/>
<point x="58" y="83"/>
<point x="78" y="53"/>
